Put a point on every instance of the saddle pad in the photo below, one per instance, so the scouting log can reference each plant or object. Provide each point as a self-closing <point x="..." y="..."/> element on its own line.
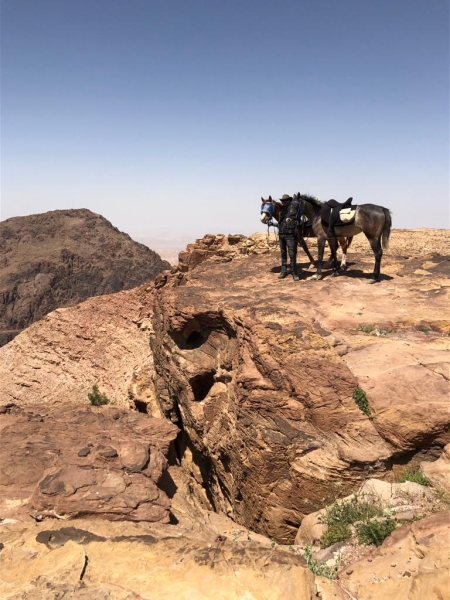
<point x="347" y="214"/>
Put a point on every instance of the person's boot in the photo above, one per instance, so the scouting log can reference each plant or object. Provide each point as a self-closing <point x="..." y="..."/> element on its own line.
<point x="283" y="273"/>
<point x="295" y="276"/>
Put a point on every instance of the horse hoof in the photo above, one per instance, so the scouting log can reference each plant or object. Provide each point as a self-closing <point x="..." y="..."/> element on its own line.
<point x="335" y="274"/>
<point x="373" y="280"/>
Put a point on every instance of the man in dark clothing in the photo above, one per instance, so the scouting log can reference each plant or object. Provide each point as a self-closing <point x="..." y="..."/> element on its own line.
<point x="288" y="230"/>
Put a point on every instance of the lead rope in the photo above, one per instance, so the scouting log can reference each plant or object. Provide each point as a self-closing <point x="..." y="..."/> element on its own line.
<point x="269" y="225"/>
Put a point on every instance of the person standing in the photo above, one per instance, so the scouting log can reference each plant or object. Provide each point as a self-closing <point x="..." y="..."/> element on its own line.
<point x="288" y="224"/>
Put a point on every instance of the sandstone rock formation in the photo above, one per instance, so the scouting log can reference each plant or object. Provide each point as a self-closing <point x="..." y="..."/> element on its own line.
<point x="71" y="349"/>
<point x="259" y="375"/>
<point x="99" y="462"/>
<point x="115" y="561"/>
<point x="61" y="258"/>
<point x="438" y="472"/>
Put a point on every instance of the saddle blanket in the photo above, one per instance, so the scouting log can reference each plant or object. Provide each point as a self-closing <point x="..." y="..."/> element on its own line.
<point x="347" y="214"/>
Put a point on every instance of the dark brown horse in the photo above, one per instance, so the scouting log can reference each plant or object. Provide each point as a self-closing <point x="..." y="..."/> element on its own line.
<point x="270" y="209"/>
<point x="372" y="220"/>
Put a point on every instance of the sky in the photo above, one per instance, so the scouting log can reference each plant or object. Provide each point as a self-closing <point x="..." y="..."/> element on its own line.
<point x="173" y="118"/>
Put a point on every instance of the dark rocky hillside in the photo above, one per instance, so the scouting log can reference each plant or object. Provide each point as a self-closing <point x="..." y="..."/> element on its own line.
<point x="61" y="258"/>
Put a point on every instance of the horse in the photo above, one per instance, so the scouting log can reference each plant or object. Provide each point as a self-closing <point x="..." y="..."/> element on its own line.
<point x="270" y="209"/>
<point x="372" y="220"/>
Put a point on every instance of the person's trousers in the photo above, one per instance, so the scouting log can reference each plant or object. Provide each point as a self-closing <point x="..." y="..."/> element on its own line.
<point x="288" y="244"/>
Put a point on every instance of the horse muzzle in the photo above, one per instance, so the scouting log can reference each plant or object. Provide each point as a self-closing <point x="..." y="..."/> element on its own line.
<point x="264" y="217"/>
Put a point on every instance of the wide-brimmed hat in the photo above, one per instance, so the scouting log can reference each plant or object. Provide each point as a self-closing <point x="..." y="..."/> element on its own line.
<point x="285" y="197"/>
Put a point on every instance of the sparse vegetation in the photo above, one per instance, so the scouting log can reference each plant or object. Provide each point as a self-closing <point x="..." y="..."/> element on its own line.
<point x="360" y="515"/>
<point x="359" y="396"/>
<point x="337" y="532"/>
<point x="341" y="514"/>
<point x="413" y="475"/>
<point x="441" y="499"/>
<point x="321" y="569"/>
<point x="375" y="531"/>
<point x="365" y="328"/>
<point x="96" y="398"/>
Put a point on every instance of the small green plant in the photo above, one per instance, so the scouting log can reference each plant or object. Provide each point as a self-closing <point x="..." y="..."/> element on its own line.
<point x="352" y="510"/>
<point x="341" y="514"/>
<point x="375" y="532"/>
<point x="425" y="330"/>
<point x="337" y="532"/>
<point x="272" y="542"/>
<point x="365" y="328"/>
<point x="359" y="396"/>
<point x="321" y="569"/>
<point x="96" y="398"/>
<point x="415" y="476"/>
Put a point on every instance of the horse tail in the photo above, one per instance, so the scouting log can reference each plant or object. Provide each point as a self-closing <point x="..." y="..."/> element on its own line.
<point x="387" y="228"/>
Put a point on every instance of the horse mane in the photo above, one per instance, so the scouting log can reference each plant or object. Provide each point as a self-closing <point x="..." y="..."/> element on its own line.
<point x="309" y="198"/>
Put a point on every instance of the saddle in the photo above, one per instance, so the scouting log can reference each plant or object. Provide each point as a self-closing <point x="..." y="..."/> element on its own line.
<point x="336" y="214"/>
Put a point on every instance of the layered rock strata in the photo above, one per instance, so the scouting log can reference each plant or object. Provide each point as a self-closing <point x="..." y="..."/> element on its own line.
<point x="98" y="462"/>
<point x="260" y="375"/>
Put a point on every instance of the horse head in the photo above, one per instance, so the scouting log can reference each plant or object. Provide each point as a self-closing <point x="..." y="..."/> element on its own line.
<point x="267" y="210"/>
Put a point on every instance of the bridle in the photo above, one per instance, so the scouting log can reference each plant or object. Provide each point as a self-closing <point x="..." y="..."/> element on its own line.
<point x="269" y="209"/>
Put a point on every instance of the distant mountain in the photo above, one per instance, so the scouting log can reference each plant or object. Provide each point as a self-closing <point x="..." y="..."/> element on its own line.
<point x="61" y="258"/>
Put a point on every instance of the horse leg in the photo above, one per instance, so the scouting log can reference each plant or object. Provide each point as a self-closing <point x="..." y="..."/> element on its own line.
<point x="375" y="244"/>
<point x="333" y="248"/>
<point x="344" y="246"/>
<point x="304" y="245"/>
<point x="321" y="249"/>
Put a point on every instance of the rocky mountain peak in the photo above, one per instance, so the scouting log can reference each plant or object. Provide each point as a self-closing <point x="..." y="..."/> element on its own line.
<point x="61" y="258"/>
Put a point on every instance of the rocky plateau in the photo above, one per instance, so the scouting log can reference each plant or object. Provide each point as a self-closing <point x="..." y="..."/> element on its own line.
<point x="232" y="421"/>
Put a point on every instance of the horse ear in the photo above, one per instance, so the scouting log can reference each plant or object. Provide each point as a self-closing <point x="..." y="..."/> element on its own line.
<point x="270" y="197"/>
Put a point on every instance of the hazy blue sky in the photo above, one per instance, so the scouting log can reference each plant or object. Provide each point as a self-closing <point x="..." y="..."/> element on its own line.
<point x="176" y="116"/>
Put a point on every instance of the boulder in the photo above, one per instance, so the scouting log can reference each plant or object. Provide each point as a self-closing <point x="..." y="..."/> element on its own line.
<point x="438" y="472"/>
<point x="104" y="462"/>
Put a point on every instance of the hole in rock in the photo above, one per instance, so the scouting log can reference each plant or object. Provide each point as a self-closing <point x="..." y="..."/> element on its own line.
<point x="201" y="384"/>
<point x="172" y="519"/>
<point x="195" y="340"/>
<point x="141" y="406"/>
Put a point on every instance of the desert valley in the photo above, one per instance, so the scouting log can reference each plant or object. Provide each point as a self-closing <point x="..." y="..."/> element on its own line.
<point x="239" y="413"/>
